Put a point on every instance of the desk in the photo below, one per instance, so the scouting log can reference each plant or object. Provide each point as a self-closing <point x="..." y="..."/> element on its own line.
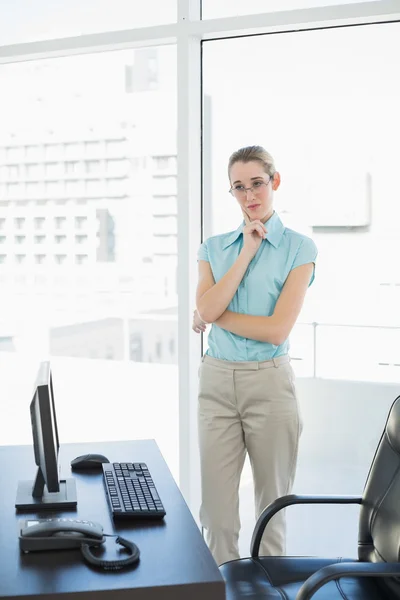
<point x="175" y="563"/>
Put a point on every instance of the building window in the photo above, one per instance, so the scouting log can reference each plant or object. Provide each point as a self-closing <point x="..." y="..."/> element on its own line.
<point x="159" y="349"/>
<point x="35" y="171"/>
<point x="15" y="154"/>
<point x="20" y="258"/>
<point x="34" y="153"/>
<point x="2" y="223"/>
<point x="15" y="190"/>
<point x="80" y="222"/>
<point x="2" y="239"/>
<point x="94" y="187"/>
<point x="92" y="166"/>
<point x="40" y="258"/>
<point x="39" y="222"/>
<point x="60" y="258"/>
<point x="162" y="163"/>
<point x="72" y="167"/>
<point x="75" y="188"/>
<point x="53" y="151"/>
<point x="54" y="189"/>
<point x="3" y="258"/>
<point x="60" y="239"/>
<point x="60" y="222"/>
<point x="81" y="259"/>
<point x="39" y="239"/>
<point x="92" y="149"/>
<point x="19" y="222"/>
<point x="19" y="239"/>
<point x="13" y="172"/>
<point x="81" y="239"/>
<point x="116" y="148"/>
<point x="73" y="151"/>
<point x="117" y="167"/>
<point x="54" y="169"/>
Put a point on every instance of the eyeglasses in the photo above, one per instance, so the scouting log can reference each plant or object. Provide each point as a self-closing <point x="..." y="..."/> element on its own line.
<point x="239" y="191"/>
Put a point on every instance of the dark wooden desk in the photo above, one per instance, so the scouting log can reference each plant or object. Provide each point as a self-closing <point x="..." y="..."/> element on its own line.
<point x="175" y="562"/>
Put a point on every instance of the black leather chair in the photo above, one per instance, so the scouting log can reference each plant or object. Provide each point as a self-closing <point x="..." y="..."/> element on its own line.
<point x="375" y="575"/>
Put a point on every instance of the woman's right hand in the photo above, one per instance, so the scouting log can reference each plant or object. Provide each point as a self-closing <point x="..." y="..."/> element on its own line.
<point x="253" y="234"/>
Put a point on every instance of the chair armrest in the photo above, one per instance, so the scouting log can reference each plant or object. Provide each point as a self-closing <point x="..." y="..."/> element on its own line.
<point x="361" y="569"/>
<point x="285" y="501"/>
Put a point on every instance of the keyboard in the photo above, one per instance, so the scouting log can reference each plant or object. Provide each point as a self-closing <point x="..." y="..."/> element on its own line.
<point x="131" y="491"/>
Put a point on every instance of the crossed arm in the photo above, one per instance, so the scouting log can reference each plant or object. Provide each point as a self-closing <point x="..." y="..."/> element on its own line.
<point x="213" y="299"/>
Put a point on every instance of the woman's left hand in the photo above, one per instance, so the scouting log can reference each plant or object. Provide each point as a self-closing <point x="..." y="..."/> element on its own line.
<point x="198" y="325"/>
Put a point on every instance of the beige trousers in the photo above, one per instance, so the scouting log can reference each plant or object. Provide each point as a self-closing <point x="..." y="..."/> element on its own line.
<point x="245" y="407"/>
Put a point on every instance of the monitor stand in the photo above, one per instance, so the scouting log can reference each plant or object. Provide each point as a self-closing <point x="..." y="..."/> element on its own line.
<point x="34" y="496"/>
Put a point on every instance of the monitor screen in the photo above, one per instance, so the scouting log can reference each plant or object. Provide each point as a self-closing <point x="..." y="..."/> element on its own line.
<point x="47" y="490"/>
<point x="44" y="431"/>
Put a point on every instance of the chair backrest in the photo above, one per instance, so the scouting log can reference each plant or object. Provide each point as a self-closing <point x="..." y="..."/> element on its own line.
<point x="379" y="526"/>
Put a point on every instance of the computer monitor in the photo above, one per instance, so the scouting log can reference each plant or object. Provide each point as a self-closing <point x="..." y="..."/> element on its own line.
<point x="47" y="490"/>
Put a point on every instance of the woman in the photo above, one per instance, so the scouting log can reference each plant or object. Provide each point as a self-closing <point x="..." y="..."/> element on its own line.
<point x="252" y="284"/>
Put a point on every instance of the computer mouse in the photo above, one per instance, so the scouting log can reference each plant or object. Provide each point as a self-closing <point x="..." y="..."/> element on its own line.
<point x="88" y="461"/>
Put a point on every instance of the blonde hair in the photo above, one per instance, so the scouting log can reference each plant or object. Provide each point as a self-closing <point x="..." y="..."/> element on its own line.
<point x="250" y="153"/>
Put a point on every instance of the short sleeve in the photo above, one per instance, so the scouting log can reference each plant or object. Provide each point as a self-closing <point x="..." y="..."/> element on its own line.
<point x="307" y="253"/>
<point x="202" y="253"/>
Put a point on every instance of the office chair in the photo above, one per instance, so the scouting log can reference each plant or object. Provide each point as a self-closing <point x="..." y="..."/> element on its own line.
<point x="376" y="573"/>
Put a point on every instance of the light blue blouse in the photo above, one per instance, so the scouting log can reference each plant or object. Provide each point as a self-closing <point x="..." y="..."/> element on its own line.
<point x="281" y="251"/>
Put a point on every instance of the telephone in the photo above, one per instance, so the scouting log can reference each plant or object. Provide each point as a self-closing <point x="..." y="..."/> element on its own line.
<point x="61" y="534"/>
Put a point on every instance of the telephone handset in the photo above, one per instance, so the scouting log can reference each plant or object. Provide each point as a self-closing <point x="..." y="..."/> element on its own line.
<point x="59" y="534"/>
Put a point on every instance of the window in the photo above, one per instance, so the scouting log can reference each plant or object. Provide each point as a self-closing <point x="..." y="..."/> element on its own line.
<point x="3" y="239"/>
<point x="3" y="258"/>
<point x="318" y="108"/>
<point x="80" y="222"/>
<point x="81" y="259"/>
<point x="75" y="188"/>
<point x="81" y="239"/>
<point x="33" y="190"/>
<point x="72" y="167"/>
<point x="116" y="148"/>
<point x="53" y="151"/>
<point x="60" y="259"/>
<point x="94" y="187"/>
<point x="74" y="150"/>
<point x="2" y="223"/>
<point x="116" y="187"/>
<point x="164" y="186"/>
<point x="73" y="286"/>
<point x="35" y="171"/>
<point x="19" y="222"/>
<point x="54" y="170"/>
<point x="117" y="167"/>
<point x="15" y="154"/>
<point x="20" y="258"/>
<point x="19" y="239"/>
<point x="60" y="239"/>
<point x="15" y="190"/>
<point x="13" y="172"/>
<point x="92" y="166"/>
<point x="163" y="163"/>
<point x="35" y="153"/>
<point x="39" y="222"/>
<point x="93" y="149"/>
<point x="60" y="222"/>
<point x="54" y="189"/>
